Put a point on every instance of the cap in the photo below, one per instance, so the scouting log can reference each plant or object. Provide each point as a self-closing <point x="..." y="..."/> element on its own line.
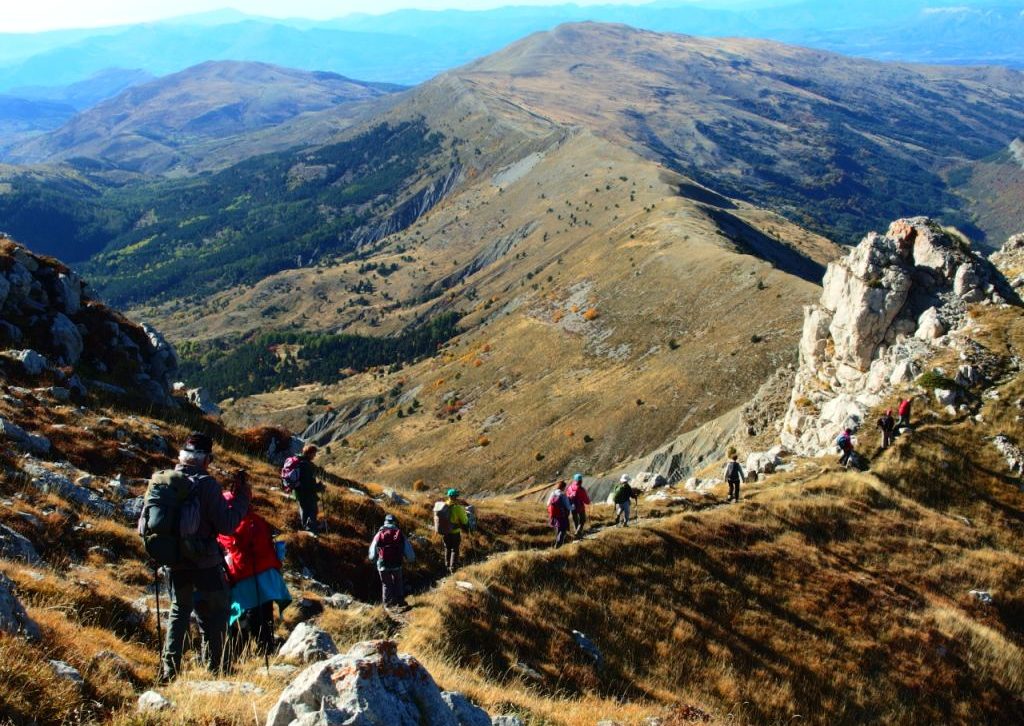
<point x="624" y="478"/>
<point x="199" y="442"/>
<point x="390" y="519"/>
<point x="577" y="477"/>
<point x="452" y="493"/>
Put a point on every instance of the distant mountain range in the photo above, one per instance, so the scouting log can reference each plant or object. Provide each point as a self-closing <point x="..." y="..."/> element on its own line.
<point x="410" y="46"/>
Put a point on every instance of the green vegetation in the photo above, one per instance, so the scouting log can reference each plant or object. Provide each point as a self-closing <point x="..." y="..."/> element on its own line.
<point x="291" y="358"/>
<point x="931" y="380"/>
<point x="260" y="216"/>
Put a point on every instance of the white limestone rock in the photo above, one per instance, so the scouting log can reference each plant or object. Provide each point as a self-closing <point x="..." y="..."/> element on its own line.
<point x="307" y="644"/>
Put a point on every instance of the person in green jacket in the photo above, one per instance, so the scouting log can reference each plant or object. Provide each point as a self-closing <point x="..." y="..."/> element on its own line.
<point x="308" y="491"/>
<point x="453" y="540"/>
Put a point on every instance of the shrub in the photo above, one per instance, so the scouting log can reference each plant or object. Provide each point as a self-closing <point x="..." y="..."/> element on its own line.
<point x="930" y="380"/>
<point x="483" y="441"/>
<point x="591" y="314"/>
<point x="419" y="486"/>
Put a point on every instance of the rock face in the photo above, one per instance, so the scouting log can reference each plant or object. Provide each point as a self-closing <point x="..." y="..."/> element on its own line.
<point x="13" y="618"/>
<point x="16" y="546"/>
<point x="44" y="305"/>
<point x="883" y="309"/>
<point x="371" y="684"/>
<point x="32" y="443"/>
<point x="307" y="644"/>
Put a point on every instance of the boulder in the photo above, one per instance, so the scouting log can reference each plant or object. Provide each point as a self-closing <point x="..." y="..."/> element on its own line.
<point x="15" y="546"/>
<point x="13" y="618"/>
<point x="153" y="701"/>
<point x="763" y="462"/>
<point x="945" y="397"/>
<point x="967" y="284"/>
<point x="307" y="644"/>
<point x="33" y="363"/>
<point x="163" y="362"/>
<point x="929" y="325"/>
<point x="390" y="496"/>
<point x="70" y="292"/>
<point x="507" y="719"/>
<point x="67" y="339"/>
<point x="588" y="648"/>
<point x="32" y="443"/>
<point x="203" y="400"/>
<point x="371" y="684"/>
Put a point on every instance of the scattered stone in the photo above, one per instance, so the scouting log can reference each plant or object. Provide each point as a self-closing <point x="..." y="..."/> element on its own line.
<point x="982" y="596"/>
<point x="945" y="397"/>
<point x="33" y="363"/>
<point x="284" y="670"/>
<point x="1011" y="452"/>
<point x="67" y="672"/>
<point x="390" y="496"/>
<point x="31" y="443"/>
<point x="527" y="672"/>
<point x="371" y="684"/>
<point x="16" y="546"/>
<point x="153" y="701"/>
<point x="465" y="585"/>
<point x="13" y="618"/>
<point x="764" y="462"/>
<point x="308" y="644"/>
<point x="50" y="482"/>
<point x="507" y="719"/>
<point x="339" y="601"/>
<point x="103" y="552"/>
<point x="132" y="508"/>
<point x="225" y="687"/>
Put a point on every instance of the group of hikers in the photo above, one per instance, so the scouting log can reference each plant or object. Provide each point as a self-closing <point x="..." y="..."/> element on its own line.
<point x="889" y="426"/>
<point x="223" y="563"/>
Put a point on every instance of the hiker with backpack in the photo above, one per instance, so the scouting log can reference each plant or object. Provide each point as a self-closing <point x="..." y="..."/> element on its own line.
<point x="298" y="478"/>
<point x="904" y="413"/>
<point x="734" y="476"/>
<point x="620" y="498"/>
<point x="388" y="550"/>
<point x="845" y="445"/>
<point x="451" y="517"/>
<point x="183" y="512"/>
<point x="254" y="573"/>
<point x="580" y="499"/>
<point x="559" y="509"/>
<point x="887" y="425"/>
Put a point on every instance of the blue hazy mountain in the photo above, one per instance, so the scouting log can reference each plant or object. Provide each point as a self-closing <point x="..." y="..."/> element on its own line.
<point x="410" y="46"/>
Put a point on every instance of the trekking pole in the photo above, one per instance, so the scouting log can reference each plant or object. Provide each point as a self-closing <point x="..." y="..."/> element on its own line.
<point x="159" y="629"/>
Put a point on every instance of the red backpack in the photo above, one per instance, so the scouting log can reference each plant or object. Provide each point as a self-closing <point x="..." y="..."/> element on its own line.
<point x="391" y="546"/>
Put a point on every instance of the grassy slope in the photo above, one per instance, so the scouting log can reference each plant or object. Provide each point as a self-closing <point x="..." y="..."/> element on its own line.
<point x="839" y="597"/>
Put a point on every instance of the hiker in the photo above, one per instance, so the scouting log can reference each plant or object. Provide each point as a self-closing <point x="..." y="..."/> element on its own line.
<point x="845" y="445"/>
<point x="183" y="512"/>
<point x="307" y="489"/>
<point x="451" y="516"/>
<point x="580" y="500"/>
<point x="388" y="550"/>
<point x="620" y="497"/>
<point x="254" y="573"/>
<point x="559" y="509"/>
<point x="904" y="414"/>
<point x="733" y="475"/>
<point x="887" y="424"/>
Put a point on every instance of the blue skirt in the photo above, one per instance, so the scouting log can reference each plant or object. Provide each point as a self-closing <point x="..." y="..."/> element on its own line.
<point x="267" y="586"/>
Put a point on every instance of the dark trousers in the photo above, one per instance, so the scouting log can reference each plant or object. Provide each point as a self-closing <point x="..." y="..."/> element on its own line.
<point x="734" y="490"/>
<point x="579" y="518"/>
<point x="309" y="512"/>
<point x="206" y="591"/>
<point x="887" y="437"/>
<point x="392" y="587"/>
<point x="846" y="458"/>
<point x="452" y="543"/>
<point x="904" y="422"/>
<point x="255" y="628"/>
<point x="561" y="530"/>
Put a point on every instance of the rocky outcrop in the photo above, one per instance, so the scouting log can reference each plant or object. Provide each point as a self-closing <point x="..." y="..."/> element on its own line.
<point x="203" y="400"/>
<point x="371" y="684"/>
<point x="16" y="546"/>
<point x="48" y="320"/>
<point x="883" y="310"/>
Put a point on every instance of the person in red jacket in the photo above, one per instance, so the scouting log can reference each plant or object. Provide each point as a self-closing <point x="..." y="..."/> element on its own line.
<point x="904" y="414"/>
<point x="577" y="494"/>
<point x="254" y="572"/>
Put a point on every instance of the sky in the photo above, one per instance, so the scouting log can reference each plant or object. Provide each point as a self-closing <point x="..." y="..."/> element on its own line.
<point x="30" y="16"/>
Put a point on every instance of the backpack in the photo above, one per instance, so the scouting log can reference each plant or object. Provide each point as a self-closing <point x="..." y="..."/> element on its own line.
<point x="291" y="474"/>
<point x="170" y="517"/>
<point x="842" y="442"/>
<point x="732" y="472"/>
<point x="442" y="518"/>
<point x="621" y="493"/>
<point x="471" y="517"/>
<point x="390" y="547"/>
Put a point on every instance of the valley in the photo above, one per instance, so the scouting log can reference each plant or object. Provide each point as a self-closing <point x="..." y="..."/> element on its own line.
<point x="598" y="249"/>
